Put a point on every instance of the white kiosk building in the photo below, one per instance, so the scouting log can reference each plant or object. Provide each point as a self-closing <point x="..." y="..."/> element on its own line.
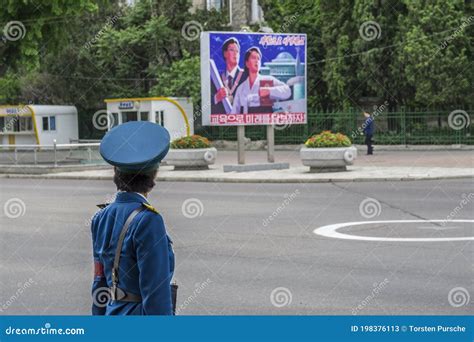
<point x="173" y="113"/>
<point x="38" y="124"/>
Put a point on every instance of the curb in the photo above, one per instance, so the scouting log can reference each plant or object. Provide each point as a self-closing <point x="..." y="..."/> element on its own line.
<point x="260" y="145"/>
<point x="48" y="170"/>
<point x="254" y="180"/>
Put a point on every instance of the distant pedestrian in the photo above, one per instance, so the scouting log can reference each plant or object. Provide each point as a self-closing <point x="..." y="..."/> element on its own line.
<point x="369" y="128"/>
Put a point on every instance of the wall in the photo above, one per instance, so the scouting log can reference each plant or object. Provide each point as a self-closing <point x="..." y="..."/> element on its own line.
<point x="66" y="129"/>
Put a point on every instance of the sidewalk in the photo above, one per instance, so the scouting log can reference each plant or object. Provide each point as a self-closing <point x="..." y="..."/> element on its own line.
<point x="383" y="166"/>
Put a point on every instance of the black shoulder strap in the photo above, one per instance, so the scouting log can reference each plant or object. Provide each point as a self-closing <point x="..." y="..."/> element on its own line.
<point x="118" y="250"/>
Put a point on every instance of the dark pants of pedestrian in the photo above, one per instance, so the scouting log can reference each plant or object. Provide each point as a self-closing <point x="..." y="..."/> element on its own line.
<point x="368" y="142"/>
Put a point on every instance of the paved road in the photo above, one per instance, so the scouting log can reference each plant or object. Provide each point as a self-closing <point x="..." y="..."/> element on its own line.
<point x="249" y="241"/>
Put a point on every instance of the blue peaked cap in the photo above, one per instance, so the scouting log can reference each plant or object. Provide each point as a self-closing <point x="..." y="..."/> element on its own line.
<point x="135" y="146"/>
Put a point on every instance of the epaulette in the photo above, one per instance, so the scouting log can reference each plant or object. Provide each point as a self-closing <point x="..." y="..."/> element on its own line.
<point x="149" y="207"/>
<point x="103" y="205"/>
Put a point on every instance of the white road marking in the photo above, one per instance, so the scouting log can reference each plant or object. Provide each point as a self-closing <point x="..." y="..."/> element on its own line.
<point x="438" y="228"/>
<point x="331" y="232"/>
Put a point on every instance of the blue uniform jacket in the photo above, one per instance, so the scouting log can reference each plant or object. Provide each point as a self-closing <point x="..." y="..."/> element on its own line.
<point x="369" y="126"/>
<point x="146" y="263"/>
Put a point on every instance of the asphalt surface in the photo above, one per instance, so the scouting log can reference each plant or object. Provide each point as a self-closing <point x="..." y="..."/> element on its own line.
<point x="251" y="247"/>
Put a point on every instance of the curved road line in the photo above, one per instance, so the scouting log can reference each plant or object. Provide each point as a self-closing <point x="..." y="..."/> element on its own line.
<point x="331" y="232"/>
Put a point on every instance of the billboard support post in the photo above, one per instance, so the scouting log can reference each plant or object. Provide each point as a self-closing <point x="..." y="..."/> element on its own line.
<point x="241" y="144"/>
<point x="270" y="144"/>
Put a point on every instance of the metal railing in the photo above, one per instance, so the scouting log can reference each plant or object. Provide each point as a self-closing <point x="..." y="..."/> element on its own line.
<point x="392" y="128"/>
<point x="55" y="154"/>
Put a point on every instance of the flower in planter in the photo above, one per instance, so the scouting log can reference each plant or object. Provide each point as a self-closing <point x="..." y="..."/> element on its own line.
<point x="328" y="139"/>
<point x="189" y="142"/>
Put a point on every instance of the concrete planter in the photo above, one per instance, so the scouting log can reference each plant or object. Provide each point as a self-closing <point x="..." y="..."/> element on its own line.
<point x="328" y="159"/>
<point x="191" y="159"/>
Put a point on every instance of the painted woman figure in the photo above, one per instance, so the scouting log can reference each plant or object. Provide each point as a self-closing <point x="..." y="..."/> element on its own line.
<point x="257" y="93"/>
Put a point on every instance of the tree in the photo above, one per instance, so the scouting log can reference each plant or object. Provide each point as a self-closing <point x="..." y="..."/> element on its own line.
<point x="148" y="40"/>
<point x="435" y="56"/>
<point x="419" y="53"/>
<point x="82" y="51"/>
<point x="303" y="17"/>
<point x="182" y="78"/>
<point x="30" y="27"/>
<point x="377" y="28"/>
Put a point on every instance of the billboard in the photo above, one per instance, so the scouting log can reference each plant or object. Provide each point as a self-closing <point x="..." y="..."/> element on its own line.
<point x="253" y="78"/>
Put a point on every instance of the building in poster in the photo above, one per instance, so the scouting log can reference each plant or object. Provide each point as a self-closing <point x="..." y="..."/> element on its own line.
<point x="253" y="78"/>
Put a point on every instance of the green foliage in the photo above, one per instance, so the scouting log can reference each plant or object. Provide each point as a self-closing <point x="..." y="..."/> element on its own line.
<point x="41" y="27"/>
<point x="82" y="51"/>
<point x="9" y="88"/>
<point x="435" y="65"/>
<point x="328" y="139"/>
<point x="193" y="141"/>
<point x="419" y="58"/>
<point x="182" y="78"/>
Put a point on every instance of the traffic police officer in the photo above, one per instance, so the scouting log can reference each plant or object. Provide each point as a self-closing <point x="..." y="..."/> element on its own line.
<point x="133" y="255"/>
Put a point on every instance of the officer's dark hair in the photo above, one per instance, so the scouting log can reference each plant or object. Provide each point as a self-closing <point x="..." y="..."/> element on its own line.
<point x="134" y="182"/>
<point x="227" y="43"/>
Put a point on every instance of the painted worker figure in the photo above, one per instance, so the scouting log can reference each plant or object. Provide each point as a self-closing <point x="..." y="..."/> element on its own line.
<point x="133" y="255"/>
<point x="369" y="132"/>
<point x="258" y="92"/>
<point x="231" y="77"/>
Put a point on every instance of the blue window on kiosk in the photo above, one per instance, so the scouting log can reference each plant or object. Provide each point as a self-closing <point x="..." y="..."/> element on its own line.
<point x="52" y="123"/>
<point x="49" y="123"/>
